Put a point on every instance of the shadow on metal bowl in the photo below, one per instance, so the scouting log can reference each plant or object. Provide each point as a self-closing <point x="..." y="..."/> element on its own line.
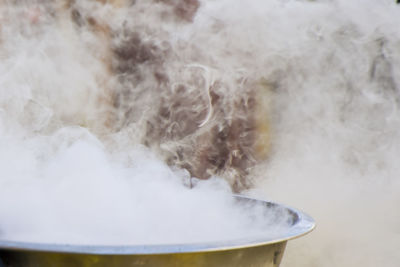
<point x="256" y="251"/>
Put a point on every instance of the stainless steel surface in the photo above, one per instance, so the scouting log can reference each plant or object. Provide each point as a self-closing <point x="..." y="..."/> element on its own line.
<point x="261" y="250"/>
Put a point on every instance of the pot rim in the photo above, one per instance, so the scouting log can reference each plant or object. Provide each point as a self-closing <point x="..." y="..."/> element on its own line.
<point x="302" y="225"/>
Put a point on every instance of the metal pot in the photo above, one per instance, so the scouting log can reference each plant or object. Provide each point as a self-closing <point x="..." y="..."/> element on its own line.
<point x="265" y="251"/>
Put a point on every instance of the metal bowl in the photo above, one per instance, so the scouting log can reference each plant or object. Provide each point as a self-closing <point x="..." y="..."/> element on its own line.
<point x="261" y="250"/>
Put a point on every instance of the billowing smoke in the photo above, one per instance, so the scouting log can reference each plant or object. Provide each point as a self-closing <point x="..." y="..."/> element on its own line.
<point x="109" y="133"/>
<point x="295" y="101"/>
<point x="334" y="74"/>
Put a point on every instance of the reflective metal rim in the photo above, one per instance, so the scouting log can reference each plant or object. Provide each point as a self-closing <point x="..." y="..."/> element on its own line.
<point x="303" y="225"/>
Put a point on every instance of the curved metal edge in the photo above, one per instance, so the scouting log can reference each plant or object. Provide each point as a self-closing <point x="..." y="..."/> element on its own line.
<point x="303" y="225"/>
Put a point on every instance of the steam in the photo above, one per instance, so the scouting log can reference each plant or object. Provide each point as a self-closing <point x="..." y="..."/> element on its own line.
<point x="334" y="73"/>
<point x="81" y="196"/>
<point x="317" y="81"/>
<point x="79" y="164"/>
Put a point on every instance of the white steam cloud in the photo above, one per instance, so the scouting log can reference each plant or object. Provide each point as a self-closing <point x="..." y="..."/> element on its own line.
<point x="334" y="69"/>
<point x="68" y="173"/>
<point x="327" y="74"/>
